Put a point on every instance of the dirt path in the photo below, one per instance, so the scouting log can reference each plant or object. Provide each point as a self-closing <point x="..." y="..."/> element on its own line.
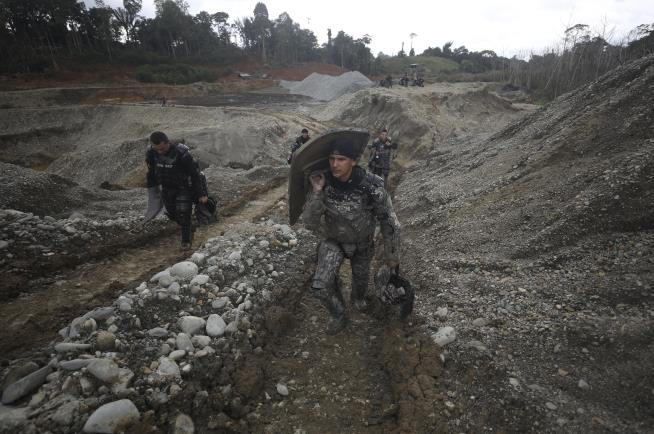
<point x="32" y="319"/>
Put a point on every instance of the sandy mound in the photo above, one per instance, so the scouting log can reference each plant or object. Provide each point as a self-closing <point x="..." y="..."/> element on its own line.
<point x="327" y="87"/>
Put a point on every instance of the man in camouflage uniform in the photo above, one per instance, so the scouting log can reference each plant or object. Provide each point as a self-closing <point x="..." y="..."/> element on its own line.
<point x="381" y="154"/>
<point x="351" y="201"/>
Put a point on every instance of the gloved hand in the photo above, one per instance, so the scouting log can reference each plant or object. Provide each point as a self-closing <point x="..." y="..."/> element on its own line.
<point x="155" y="204"/>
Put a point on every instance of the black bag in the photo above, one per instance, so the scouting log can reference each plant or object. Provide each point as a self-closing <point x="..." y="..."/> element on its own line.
<point x="394" y="290"/>
<point x="207" y="213"/>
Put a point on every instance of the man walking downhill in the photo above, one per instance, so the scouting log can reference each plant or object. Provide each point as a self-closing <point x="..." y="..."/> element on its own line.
<point x="381" y="154"/>
<point x="351" y="201"/>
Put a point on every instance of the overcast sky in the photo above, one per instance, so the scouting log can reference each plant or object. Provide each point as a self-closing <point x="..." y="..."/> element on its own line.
<point x="506" y="26"/>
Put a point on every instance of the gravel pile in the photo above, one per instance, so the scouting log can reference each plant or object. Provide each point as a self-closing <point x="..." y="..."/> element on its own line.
<point x="168" y="353"/>
<point x="327" y="87"/>
<point x="536" y="247"/>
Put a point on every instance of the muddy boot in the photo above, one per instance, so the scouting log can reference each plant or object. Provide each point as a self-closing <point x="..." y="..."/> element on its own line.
<point x="336" y="324"/>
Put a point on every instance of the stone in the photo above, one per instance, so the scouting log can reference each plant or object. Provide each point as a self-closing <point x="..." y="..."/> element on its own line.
<point x="159" y="275"/>
<point x="168" y="369"/>
<point x="441" y="313"/>
<point x="480" y="322"/>
<point x="200" y="341"/>
<point x="66" y="413"/>
<point x="583" y="384"/>
<point x="232" y="327"/>
<point x="113" y="417"/>
<point x="198" y="258"/>
<point x="165" y="281"/>
<point x="185" y="270"/>
<point x="220" y="302"/>
<point x="550" y="406"/>
<point x="104" y="370"/>
<point x="25" y="385"/>
<point x="176" y="355"/>
<point x="200" y="279"/>
<point x="183" y="342"/>
<point x="125" y="377"/>
<point x="69" y="347"/>
<point x="282" y="389"/>
<point x="17" y="371"/>
<point x="12" y="420"/>
<point x="158" y="332"/>
<point x="444" y="336"/>
<point x="105" y="341"/>
<point x="191" y="324"/>
<point x="215" y="325"/>
<point x="75" y="364"/>
<point x="183" y="425"/>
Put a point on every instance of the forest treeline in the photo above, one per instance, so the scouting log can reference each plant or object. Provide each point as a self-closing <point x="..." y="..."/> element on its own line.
<point x="39" y="35"/>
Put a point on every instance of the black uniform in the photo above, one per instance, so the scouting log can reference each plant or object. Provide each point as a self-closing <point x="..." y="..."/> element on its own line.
<point x="181" y="183"/>
<point x="380" y="158"/>
<point x="301" y="140"/>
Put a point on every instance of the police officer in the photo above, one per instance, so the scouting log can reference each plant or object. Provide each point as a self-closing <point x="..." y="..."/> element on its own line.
<point x="301" y="140"/>
<point x="381" y="154"/>
<point x="172" y="167"/>
<point x="351" y="201"/>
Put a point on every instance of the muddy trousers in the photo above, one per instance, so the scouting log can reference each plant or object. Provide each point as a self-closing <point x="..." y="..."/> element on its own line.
<point x="179" y="207"/>
<point x="326" y="284"/>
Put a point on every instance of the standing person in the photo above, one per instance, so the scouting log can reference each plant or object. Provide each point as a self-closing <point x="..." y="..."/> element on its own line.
<point x="172" y="167"/>
<point x="301" y="140"/>
<point x="352" y="201"/>
<point x="381" y="154"/>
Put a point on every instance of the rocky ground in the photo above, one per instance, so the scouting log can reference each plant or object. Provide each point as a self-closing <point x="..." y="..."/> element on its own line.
<point x="530" y="249"/>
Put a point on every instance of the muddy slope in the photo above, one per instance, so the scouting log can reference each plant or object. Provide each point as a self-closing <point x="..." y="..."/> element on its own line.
<point x="536" y="245"/>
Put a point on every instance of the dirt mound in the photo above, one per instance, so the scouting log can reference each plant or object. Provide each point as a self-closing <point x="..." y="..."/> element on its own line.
<point x="327" y="87"/>
<point x="537" y="245"/>
<point x="91" y="145"/>
<point x="419" y="118"/>
<point x="42" y="193"/>
<point x="582" y="165"/>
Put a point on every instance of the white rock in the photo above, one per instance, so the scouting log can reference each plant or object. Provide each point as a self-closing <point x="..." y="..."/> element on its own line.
<point x="158" y="276"/>
<point x="282" y="389"/>
<point x="480" y="322"/>
<point x="442" y="312"/>
<point x="191" y="324"/>
<point x="201" y="341"/>
<point x="113" y="417"/>
<point x="176" y="355"/>
<point x="168" y="368"/>
<point x="198" y="258"/>
<point x="183" y="342"/>
<point x="104" y="370"/>
<point x="583" y="384"/>
<point x="165" y="281"/>
<point x="185" y="270"/>
<point x="219" y="303"/>
<point x="444" y="336"/>
<point x="183" y="425"/>
<point x="200" y="279"/>
<point x="232" y="327"/>
<point x="215" y="325"/>
<point x="234" y="256"/>
<point x="158" y="332"/>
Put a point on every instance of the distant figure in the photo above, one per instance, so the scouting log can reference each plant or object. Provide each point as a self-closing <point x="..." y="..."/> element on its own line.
<point x="172" y="167"/>
<point x="381" y="154"/>
<point x="163" y="101"/>
<point x="301" y="140"/>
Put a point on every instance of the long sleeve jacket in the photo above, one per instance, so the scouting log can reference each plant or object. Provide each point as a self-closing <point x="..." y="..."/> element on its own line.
<point x="348" y="212"/>
<point x="174" y="170"/>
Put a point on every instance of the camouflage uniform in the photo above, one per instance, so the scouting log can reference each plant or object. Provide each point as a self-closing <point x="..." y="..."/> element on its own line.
<point x="351" y="211"/>
<point x="380" y="158"/>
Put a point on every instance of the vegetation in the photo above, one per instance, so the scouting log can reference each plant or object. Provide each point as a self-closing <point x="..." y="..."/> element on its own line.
<point x="173" y="74"/>
<point x="399" y="64"/>
<point x="582" y="58"/>
<point x="37" y="35"/>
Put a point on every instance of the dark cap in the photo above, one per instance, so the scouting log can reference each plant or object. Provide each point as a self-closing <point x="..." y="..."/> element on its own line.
<point x="384" y="130"/>
<point x="345" y="148"/>
<point x="158" y="137"/>
<point x="304" y="130"/>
